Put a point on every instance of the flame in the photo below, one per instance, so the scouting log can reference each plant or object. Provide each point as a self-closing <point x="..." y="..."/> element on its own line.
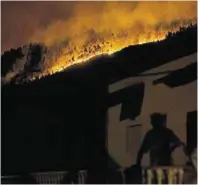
<point x="80" y="53"/>
<point x="102" y="28"/>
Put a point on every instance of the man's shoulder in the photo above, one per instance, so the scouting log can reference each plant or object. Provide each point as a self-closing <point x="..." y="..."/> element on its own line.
<point x="149" y="134"/>
<point x="168" y="130"/>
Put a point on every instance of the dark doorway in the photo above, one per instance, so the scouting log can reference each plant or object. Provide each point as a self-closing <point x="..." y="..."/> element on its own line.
<point x="191" y="131"/>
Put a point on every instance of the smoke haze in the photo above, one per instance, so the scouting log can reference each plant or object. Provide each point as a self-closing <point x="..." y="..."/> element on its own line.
<point x="77" y="31"/>
<point x="53" y="22"/>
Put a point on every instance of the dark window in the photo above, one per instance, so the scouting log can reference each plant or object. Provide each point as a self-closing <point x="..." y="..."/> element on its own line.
<point x="191" y="131"/>
<point x="132" y="104"/>
<point x="131" y="99"/>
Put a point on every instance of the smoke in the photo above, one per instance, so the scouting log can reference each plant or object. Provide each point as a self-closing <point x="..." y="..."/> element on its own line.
<point x="76" y="31"/>
<point x="22" y="19"/>
<point x="113" y="17"/>
<point x="53" y="22"/>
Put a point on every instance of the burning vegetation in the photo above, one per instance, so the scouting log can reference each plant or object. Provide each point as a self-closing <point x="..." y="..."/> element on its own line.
<point x="91" y="31"/>
<point x="97" y="45"/>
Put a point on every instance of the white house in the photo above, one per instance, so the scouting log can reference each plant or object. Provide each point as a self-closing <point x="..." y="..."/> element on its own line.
<point x="125" y="134"/>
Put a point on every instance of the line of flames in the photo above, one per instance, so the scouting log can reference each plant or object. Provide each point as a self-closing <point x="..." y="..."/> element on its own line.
<point x="60" y="61"/>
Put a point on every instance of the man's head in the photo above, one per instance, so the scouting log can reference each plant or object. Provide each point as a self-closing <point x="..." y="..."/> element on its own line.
<point x="158" y="120"/>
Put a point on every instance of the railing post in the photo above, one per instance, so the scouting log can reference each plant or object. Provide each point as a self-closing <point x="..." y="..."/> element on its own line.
<point x="143" y="176"/>
<point x="181" y="175"/>
<point x="149" y="176"/>
<point x="123" y="176"/>
<point x="79" y="177"/>
<point x="171" y="176"/>
<point x="160" y="175"/>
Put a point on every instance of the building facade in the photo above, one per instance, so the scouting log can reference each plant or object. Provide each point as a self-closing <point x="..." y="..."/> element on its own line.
<point x="170" y="89"/>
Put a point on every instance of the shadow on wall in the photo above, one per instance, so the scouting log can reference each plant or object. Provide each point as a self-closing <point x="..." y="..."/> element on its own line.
<point x="179" y="77"/>
<point x="159" y="142"/>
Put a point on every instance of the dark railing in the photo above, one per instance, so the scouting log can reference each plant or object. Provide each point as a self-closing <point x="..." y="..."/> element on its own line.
<point x="150" y="175"/>
<point x="163" y="175"/>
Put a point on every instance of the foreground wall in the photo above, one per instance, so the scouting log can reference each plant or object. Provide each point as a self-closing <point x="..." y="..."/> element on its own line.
<point x="125" y="135"/>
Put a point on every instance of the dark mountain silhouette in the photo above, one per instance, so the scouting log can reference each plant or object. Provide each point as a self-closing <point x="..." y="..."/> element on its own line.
<point x="59" y="122"/>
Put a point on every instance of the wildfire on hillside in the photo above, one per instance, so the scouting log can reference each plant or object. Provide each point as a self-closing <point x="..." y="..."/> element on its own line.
<point x="95" y="28"/>
<point x="57" y="60"/>
<point x="81" y="52"/>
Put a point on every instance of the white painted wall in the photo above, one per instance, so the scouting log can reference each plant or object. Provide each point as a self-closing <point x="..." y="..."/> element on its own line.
<point x="175" y="102"/>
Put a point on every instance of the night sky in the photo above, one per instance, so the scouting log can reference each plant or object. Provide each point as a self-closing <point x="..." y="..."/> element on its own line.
<point x="25" y="21"/>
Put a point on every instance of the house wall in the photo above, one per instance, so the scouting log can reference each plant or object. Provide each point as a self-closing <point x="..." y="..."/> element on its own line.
<point x="125" y="137"/>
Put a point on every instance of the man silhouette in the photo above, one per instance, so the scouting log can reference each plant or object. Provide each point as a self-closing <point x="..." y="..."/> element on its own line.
<point x="160" y="142"/>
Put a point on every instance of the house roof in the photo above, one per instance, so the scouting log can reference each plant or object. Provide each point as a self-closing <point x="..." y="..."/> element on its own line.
<point x="182" y="70"/>
<point x="180" y="77"/>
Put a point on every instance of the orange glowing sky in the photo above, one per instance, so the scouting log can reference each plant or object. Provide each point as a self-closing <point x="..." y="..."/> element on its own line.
<point x="76" y="31"/>
<point x="39" y="20"/>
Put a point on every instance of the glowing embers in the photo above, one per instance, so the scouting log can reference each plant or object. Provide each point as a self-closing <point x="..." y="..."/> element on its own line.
<point x="83" y="53"/>
<point x="79" y="51"/>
